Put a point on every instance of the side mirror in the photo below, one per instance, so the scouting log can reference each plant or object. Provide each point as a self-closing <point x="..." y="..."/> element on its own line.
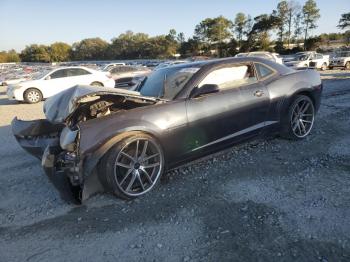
<point x="204" y="90"/>
<point x="48" y="78"/>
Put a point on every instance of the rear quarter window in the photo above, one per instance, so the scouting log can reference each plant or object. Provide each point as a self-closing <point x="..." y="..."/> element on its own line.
<point x="263" y="71"/>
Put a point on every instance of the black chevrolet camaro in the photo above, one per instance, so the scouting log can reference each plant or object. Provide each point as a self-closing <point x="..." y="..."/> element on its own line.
<point x="96" y="139"/>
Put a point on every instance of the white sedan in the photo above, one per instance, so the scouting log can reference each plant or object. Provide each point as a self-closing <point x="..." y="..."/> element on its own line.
<point x="49" y="84"/>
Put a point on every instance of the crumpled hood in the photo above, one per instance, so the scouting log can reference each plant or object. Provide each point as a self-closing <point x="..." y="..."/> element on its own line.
<point x="60" y="106"/>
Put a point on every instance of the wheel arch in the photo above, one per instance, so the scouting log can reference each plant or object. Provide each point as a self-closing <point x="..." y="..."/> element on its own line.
<point x="289" y="100"/>
<point x="91" y="161"/>
<point x="36" y="88"/>
<point x="99" y="82"/>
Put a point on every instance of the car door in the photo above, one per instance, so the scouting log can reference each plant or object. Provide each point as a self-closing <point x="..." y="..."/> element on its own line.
<point x="55" y="82"/>
<point x="236" y="112"/>
<point x="78" y="76"/>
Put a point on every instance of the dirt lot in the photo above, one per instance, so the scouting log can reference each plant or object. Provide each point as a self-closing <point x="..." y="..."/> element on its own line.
<point x="269" y="200"/>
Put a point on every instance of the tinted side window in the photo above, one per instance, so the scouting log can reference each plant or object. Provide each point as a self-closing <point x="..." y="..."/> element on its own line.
<point x="230" y="77"/>
<point x="77" y="72"/>
<point x="126" y="69"/>
<point x="116" y="69"/>
<point x="318" y="56"/>
<point x="59" y="74"/>
<point x="263" y="71"/>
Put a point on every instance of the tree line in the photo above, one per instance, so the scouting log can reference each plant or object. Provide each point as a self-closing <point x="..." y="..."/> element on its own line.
<point x="291" y="23"/>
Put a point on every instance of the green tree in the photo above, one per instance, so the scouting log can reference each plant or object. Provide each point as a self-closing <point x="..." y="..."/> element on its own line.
<point x="35" y="53"/>
<point x="60" y="52"/>
<point x="12" y="56"/>
<point x="344" y="21"/>
<point x="282" y="18"/>
<point x="239" y="24"/>
<point x="293" y="10"/>
<point x="298" y="28"/>
<point x="312" y="43"/>
<point x="9" y="57"/>
<point x="181" y="37"/>
<point x="259" y="38"/>
<point x="89" y="49"/>
<point x="130" y="45"/>
<point x="311" y="15"/>
<point x="171" y="35"/>
<point x="214" y="30"/>
<point x="3" y="57"/>
<point x="191" y="47"/>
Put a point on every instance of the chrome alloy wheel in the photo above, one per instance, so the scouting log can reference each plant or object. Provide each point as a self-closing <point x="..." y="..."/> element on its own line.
<point x="33" y="96"/>
<point x="302" y="118"/>
<point x="138" y="167"/>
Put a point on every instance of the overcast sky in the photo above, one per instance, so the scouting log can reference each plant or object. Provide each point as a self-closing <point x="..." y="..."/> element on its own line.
<point x="24" y="22"/>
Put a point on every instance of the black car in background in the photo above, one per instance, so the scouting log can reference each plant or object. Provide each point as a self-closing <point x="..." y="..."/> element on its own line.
<point x="121" y="141"/>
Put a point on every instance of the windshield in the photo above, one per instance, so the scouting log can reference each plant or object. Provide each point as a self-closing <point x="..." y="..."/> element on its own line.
<point x="302" y="57"/>
<point x="40" y="75"/>
<point x="167" y="82"/>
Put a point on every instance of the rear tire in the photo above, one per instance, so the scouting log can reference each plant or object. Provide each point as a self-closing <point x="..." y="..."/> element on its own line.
<point x="299" y="120"/>
<point x="133" y="166"/>
<point x="324" y="67"/>
<point x="96" y="84"/>
<point x="32" y="96"/>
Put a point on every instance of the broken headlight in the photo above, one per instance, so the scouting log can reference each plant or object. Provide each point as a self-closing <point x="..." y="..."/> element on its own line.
<point x="68" y="139"/>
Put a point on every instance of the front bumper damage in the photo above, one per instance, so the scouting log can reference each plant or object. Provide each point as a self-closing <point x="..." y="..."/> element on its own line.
<point x="41" y="138"/>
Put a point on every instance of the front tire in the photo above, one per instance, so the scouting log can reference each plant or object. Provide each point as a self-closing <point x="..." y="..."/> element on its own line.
<point x="300" y="118"/>
<point x="32" y="96"/>
<point x="133" y="166"/>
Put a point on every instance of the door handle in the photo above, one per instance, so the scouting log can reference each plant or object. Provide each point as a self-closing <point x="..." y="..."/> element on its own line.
<point x="259" y="93"/>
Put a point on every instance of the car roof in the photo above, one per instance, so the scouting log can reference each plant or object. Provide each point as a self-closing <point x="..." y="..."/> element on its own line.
<point x="72" y="67"/>
<point x="222" y="61"/>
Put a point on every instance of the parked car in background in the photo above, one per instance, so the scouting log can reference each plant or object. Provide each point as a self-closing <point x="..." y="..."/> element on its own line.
<point x="108" y="67"/>
<point x="170" y="63"/>
<point x="309" y="59"/>
<point x="267" y="55"/>
<point x="124" y="75"/>
<point x="341" y="59"/>
<point x="48" y="84"/>
<point x="122" y="141"/>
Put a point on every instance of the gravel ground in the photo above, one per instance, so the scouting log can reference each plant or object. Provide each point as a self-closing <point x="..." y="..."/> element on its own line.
<point x="268" y="200"/>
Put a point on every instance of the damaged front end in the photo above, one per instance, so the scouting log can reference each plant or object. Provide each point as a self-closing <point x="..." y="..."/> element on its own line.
<point x="55" y="140"/>
<point x="41" y="139"/>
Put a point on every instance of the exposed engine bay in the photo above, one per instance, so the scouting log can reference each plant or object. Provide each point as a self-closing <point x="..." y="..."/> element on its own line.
<point x="100" y="106"/>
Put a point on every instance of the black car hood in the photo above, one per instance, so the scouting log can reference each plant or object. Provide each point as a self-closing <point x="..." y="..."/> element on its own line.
<point x="59" y="107"/>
